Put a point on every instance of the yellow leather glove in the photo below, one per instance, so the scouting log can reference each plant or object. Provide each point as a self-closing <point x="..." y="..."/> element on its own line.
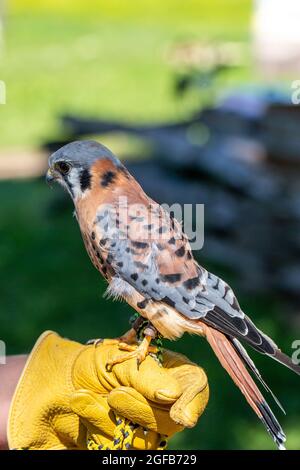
<point x="65" y="396"/>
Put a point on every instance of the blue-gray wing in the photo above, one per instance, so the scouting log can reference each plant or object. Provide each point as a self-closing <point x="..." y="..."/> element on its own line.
<point x="154" y="256"/>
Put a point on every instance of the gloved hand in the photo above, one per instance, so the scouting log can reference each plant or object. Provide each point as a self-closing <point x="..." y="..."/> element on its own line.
<point x="65" y="396"/>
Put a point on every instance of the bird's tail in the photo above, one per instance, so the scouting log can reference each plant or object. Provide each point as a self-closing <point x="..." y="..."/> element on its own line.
<point x="285" y="360"/>
<point x="234" y="363"/>
<point x="268" y="347"/>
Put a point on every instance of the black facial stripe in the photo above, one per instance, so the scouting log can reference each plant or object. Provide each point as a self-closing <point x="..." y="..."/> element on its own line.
<point x="68" y="183"/>
<point x="85" y="179"/>
<point x="107" y="178"/>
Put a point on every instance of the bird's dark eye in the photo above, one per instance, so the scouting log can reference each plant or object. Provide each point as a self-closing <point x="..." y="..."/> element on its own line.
<point x="63" y="167"/>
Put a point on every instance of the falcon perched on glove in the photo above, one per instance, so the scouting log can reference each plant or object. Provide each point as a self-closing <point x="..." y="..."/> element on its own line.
<point x="146" y="259"/>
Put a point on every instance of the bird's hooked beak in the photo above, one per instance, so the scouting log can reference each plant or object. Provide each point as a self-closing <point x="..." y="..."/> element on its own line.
<point x="50" y="177"/>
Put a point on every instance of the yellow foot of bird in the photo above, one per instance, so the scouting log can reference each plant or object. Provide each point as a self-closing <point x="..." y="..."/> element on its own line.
<point x="139" y="352"/>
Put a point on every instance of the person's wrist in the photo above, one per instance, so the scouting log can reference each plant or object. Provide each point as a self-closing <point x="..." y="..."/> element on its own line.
<point x="9" y="376"/>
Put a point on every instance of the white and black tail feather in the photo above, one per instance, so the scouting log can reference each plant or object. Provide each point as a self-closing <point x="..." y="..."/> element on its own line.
<point x="243" y="328"/>
<point x="237" y="362"/>
<point x="282" y="358"/>
<point x="244" y="355"/>
<point x="268" y="418"/>
<point x="271" y="424"/>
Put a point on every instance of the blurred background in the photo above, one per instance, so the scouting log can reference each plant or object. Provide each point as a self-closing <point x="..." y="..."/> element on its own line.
<point x="200" y="99"/>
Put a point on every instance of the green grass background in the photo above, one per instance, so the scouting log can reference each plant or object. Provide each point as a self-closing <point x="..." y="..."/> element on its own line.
<point x="104" y="58"/>
<point x="108" y="59"/>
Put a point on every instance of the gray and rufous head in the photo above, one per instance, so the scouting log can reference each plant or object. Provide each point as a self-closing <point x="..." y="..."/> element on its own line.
<point x="73" y="166"/>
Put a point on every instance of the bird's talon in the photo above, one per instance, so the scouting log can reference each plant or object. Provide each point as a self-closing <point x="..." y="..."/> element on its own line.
<point x="138" y="362"/>
<point x="127" y="347"/>
<point x="95" y="341"/>
<point x="109" y="366"/>
<point x="139" y="352"/>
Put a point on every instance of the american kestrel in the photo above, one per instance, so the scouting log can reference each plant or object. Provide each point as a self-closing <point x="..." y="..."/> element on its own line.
<point x="146" y="259"/>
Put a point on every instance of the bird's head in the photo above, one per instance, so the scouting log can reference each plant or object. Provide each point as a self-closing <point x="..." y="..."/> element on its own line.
<point x="75" y="166"/>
